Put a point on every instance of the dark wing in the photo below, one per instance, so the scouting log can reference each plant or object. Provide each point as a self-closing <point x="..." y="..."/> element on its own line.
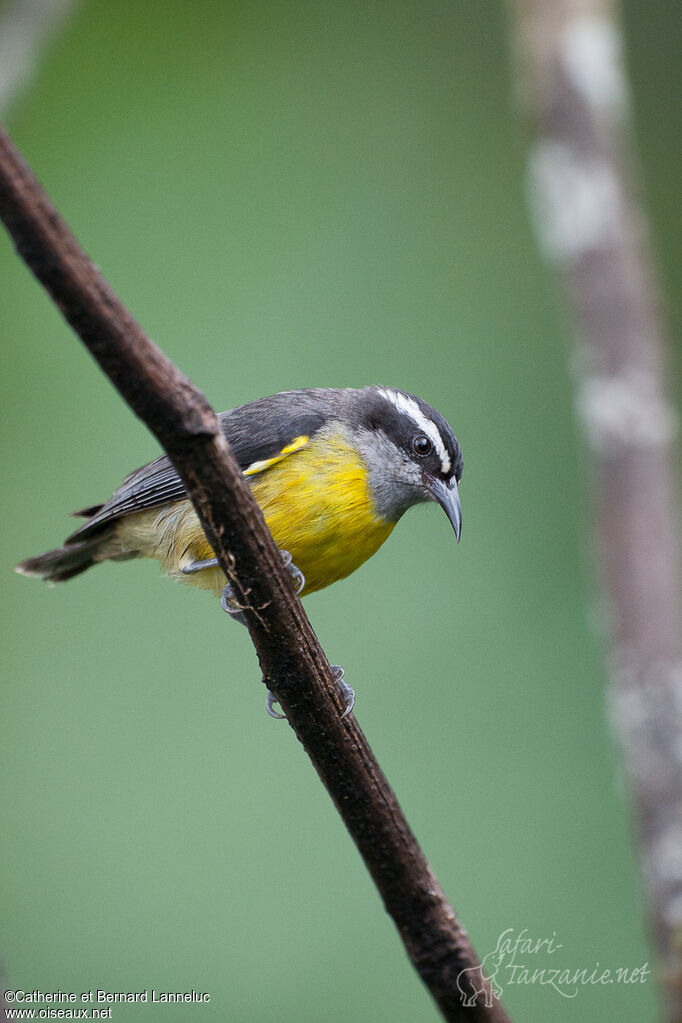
<point x="256" y="432"/>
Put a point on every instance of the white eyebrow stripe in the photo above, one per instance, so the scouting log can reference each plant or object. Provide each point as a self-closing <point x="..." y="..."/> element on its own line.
<point x="409" y="407"/>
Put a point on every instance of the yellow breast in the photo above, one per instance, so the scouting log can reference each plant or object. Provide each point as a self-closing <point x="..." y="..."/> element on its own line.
<point x="317" y="505"/>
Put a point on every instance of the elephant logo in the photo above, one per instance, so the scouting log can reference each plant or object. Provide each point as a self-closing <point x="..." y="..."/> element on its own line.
<point x="480" y="980"/>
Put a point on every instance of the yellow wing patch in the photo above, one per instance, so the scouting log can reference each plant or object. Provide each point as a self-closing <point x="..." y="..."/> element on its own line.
<point x="266" y="463"/>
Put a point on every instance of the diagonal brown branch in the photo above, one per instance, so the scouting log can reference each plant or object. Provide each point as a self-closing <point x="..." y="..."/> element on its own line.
<point x="292" y="662"/>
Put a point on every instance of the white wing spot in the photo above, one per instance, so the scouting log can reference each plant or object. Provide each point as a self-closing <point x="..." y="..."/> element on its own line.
<point x="407" y="405"/>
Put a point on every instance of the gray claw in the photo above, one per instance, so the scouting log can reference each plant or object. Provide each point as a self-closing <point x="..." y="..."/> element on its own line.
<point x="269" y="706"/>
<point x="347" y="691"/>
<point x="228" y="603"/>
<point x="296" y="574"/>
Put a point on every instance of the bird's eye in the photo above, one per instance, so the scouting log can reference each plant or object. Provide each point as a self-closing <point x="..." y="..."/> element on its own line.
<point x="422" y="445"/>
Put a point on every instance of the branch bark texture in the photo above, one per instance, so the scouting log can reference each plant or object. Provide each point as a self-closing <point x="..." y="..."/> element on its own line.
<point x="583" y="183"/>
<point x="293" y="664"/>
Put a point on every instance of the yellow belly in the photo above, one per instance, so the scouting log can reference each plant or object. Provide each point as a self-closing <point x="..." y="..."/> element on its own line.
<point x="317" y="506"/>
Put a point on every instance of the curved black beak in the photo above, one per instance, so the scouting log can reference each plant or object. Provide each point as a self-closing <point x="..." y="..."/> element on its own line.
<point x="447" y="496"/>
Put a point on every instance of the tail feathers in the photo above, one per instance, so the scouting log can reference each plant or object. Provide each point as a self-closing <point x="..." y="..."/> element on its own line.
<point x="62" y="564"/>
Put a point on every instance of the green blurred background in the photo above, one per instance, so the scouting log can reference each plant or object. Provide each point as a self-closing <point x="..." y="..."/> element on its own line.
<point x="288" y="195"/>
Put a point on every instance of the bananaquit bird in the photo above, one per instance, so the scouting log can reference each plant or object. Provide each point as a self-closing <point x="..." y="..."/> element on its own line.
<point x="332" y="470"/>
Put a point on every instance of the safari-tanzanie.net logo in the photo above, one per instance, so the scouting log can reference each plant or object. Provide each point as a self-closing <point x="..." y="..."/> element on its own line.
<point x="518" y="959"/>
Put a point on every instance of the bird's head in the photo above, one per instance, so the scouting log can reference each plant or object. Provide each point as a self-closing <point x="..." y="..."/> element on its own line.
<point x="411" y="453"/>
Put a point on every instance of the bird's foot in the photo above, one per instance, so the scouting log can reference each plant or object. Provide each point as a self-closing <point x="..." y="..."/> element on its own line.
<point x="228" y="601"/>
<point x="347" y="692"/>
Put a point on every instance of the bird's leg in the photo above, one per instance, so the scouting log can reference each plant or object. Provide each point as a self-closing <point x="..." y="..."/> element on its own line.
<point x="197" y="566"/>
